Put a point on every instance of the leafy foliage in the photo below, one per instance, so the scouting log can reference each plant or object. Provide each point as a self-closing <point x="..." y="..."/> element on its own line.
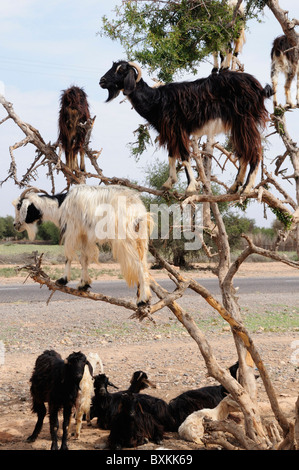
<point x="172" y="36"/>
<point x="7" y="229"/>
<point x="143" y="139"/>
<point x="46" y="231"/>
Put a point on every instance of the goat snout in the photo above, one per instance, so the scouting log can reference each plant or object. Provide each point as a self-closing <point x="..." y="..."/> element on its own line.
<point x="103" y="82"/>
<point x="17" y="226"/>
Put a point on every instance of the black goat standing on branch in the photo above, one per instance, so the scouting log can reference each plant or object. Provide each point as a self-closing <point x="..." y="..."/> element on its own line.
<point x="228" y="101"/>
<point x="74" y="111"/>
<point x="56" y="382"/>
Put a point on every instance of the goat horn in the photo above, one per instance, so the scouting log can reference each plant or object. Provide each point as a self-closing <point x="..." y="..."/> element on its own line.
<point x="138" y="69"/>
<point x="33" y="189"/>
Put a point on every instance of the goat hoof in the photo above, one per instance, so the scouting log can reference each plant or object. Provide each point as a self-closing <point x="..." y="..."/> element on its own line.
<point x="30" y="439"/>
<point x="143" y="303"/>
<point x="84" y="288"/>
<point x="61" y="282"/>
<point x="233" y="189"/>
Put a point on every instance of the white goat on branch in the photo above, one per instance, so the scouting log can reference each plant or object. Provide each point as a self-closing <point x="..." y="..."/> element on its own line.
<point x="91" y="215"/>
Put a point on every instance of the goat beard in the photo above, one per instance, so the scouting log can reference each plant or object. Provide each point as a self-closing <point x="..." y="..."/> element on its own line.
<point x="31" y="230"/>
<point x="113" y="93"/>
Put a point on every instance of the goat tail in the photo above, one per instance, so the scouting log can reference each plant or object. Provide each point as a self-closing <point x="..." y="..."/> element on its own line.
<point x="268" y="91"/>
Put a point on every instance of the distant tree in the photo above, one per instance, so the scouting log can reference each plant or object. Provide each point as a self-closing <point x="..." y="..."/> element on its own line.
<point x="155" y="175"/>
<point x="7" y="229"/>
<point x="235" y="227"/>
<point x="49" y="232"/>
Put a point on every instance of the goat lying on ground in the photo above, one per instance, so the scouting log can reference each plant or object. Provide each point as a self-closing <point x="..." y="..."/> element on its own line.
<point x="228" y="101"/>
<point x="192" y="400"/>
<point x="133" y="426"/>
<point x="86" y="391"/>
<point x="192" y="429"/>
<point x="91" y="215"/>
<point x="101" y="401"/>
<point x="56" y="382"/>
<point x="284" y="59"/>
<point x="138" y="382"/>
<point x="105" y="404"/>
<point x="229" y="57"/>
<point x="74" y="110"/>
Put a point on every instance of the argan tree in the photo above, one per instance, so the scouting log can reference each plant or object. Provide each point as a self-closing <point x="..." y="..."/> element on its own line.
<point x="169" y="37"/>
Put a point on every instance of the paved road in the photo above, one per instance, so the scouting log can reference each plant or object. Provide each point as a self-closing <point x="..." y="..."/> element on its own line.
<point x="33" y="293"/>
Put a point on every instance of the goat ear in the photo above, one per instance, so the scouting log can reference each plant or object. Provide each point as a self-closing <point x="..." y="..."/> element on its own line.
<point x="112" y="385"/>
<point x="129" y="82"/>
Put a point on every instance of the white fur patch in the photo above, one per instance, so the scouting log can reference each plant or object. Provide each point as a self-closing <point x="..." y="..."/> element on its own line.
<point x="211" y="128"/>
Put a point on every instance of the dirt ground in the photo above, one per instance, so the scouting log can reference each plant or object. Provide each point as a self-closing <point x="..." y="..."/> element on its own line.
<point x="164" y="350"/>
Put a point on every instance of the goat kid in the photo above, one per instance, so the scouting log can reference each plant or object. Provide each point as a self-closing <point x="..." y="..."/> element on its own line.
<point x="56" y="382"/>
<point x="91" y="215"/>
<point x="228" y="101"/>
<point x="193" y="400"/>
<point x="73" y="114"/>
<point x="132" y="426"/>
<point x="285" y="60"/>
<point x="228" y="58"/>
<point x="86" y="392"/>
<point x="192" y="429"/>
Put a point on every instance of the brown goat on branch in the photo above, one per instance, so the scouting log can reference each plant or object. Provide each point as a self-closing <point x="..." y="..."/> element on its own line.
<point x="74" y="112"/>
<point x="284" y="59"/>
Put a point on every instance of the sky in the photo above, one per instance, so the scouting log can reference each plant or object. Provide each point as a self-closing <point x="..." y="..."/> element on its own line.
<point x="45" y="47"/>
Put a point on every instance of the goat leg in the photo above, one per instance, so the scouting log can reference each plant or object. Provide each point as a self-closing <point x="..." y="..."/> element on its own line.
<point x="67" y="411"/>
<point x="53" y="411"/>
<point x="40" y="409"/>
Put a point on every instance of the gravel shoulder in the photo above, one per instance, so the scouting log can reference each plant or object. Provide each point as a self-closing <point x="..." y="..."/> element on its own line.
<point x="162" y="349"/>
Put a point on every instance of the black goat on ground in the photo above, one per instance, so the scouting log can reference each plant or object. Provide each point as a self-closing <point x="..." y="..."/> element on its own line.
<point x="132" y="426"/>
<point x="105" y="404"/>
<point x="56" y="382"/>
<point x="139" y="381"/>
<point x="285" y="59"/>
<point x="228" y="101"/>
<point x="74" y="111"/>
<point x="193" y="400"/>
<point x="100" y="404"/>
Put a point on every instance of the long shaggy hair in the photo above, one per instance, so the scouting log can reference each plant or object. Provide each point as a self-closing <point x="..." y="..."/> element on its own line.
<point x="133" y="426"/>
<point x="225" y="102"/>
<point x="74" y="110"/>
<point x="92" y="215"/>
<point x="56" y="382"/>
